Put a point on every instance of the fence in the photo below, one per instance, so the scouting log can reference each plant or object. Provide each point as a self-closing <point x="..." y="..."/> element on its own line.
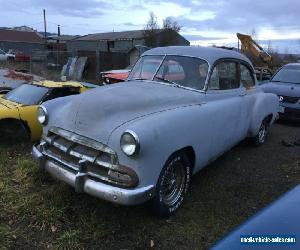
<point x="49" y="64"/>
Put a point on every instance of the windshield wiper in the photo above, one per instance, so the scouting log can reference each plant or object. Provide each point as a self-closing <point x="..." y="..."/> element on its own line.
<point x="166" y="80"/>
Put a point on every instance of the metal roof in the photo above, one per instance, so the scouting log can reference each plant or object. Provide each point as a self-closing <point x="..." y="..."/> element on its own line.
<point x="20" y="36"/>
<point x="126" y="35"/>
<point x="210" y="54"/>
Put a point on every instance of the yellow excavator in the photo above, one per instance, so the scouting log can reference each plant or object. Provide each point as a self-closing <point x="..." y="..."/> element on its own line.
<point x="251" y="48"/>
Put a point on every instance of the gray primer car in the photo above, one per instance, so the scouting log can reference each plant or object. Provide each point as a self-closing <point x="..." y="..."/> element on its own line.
<point x="286" y="84"/>
<point x="180" y="109"/>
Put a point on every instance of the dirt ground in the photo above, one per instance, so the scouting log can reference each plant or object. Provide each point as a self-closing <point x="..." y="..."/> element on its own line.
<point x="38" y="212"/>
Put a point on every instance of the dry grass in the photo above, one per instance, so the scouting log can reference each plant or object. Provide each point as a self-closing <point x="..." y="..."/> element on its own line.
<point x="39" y="212"/>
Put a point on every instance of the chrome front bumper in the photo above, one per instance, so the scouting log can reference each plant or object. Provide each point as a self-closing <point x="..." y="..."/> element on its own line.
<point x="82" y="183"/>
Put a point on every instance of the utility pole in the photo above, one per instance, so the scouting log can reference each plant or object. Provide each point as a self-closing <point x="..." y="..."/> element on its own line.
<point x="45" y="26"/>
<point x="58" y="33"/>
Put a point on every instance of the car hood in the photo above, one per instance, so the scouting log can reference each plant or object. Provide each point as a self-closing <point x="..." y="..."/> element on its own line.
<point x="5" y="104"/>
<point x="282" y="88"/>
<point x="96" y="113"/>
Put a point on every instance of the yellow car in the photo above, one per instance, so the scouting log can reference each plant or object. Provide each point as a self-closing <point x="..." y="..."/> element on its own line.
<point x="18" y="108"/>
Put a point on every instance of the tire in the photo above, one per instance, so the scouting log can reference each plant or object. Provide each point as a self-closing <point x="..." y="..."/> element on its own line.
<point x="172" y="185"/>
<point x="14" y="131"/>
<point x="260" y="138"/>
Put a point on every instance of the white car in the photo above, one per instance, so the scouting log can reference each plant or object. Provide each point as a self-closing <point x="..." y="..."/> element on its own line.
<point x="6" y="56"/>
<point x="180" y="108"/>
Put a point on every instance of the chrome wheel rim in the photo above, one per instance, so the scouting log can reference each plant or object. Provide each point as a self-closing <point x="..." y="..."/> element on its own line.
<point x="172" y="185"/>
<point x="262" y="133"/>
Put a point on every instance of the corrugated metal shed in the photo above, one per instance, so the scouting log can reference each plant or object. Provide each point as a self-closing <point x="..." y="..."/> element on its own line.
<point x="123" y="35"/>
<point x="20" y="36"/>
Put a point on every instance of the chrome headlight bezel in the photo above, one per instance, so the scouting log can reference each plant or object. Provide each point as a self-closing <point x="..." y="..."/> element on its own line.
<point x="130" y="143"/>
<point x="42" y="115"/>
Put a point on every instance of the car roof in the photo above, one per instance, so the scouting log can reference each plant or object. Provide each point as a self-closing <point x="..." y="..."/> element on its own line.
<point x="52" y="84"/>
<point x="210" y="54"/>
<point x="292" y="64"/>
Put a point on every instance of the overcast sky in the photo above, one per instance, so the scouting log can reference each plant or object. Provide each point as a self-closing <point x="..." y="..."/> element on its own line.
<point x="204" y="22"/>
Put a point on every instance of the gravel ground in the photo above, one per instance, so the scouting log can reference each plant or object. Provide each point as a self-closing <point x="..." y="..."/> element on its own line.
<point x="38" y="212"/>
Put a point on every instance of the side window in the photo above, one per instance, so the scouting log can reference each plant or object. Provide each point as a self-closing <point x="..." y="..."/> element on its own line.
<point x="246" y="77"/>
<point x="61" y="92"/>
<point x="224" y="76"/>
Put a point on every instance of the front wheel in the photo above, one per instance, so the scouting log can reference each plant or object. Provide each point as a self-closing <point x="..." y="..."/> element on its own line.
<point x="172" y="185"/>
<point x="13" y="131"/>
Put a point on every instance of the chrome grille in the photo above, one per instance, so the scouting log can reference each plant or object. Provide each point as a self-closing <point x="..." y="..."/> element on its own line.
<point x="68" y="149"/>
<point x="288" y="99"/>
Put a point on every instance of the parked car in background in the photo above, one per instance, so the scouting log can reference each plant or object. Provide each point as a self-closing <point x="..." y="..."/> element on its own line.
<point x="20" y="56"/>
<point x="4" y="89"/>
<point x="18" y="108"/>
<point x="6" y="56"/>
<point x="286" y="85"/>
<point x="114" y="76"/>
<point x="143" y="139"/>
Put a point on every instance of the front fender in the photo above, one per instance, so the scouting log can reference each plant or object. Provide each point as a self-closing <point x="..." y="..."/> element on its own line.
<point x="9" y="113"/>
<point x="160" y="135"/>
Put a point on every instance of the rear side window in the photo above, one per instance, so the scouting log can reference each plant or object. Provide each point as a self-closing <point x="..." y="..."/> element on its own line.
<point x="246" y="77"/>
<point x="224" y="76"/>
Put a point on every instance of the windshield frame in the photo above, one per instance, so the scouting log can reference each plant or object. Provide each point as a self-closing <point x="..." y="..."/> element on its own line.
<point x="41" y="100"/>
<point x="282" y="68"/>
<point x="203" y="90"/>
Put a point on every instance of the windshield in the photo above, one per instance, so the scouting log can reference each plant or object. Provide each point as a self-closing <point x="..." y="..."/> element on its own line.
<point x="27" y="94"/>
<point x="183" y="71"/>
<point x="290" y="74"/>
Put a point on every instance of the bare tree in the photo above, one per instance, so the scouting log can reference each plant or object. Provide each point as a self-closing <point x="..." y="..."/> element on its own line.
<point x="169" y="32"/>
<point x="270" y="49"/>
<point x="150" y="30"/>
<point x="155" y="35"/>
<point x="170" y="24"/>
<point x="253" y="34"/>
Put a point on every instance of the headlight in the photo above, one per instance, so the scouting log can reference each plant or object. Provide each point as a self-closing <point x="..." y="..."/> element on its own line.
<point x="42" y="115"/>
<point x="130" y="144"/>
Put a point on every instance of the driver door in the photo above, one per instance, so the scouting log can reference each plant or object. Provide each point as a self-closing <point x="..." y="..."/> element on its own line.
<point x="223" y="97"/>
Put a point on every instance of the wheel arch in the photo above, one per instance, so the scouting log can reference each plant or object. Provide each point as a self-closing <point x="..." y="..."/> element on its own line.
<point x="190" y="153"/>
<point x="266" y="106"/>
<point x="23" y="124"/>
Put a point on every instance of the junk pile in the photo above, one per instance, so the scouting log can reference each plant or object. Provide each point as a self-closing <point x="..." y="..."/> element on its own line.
<point x="74" y="69"/>
<point x="11" y="79"/>
<point x="18" y="76"/>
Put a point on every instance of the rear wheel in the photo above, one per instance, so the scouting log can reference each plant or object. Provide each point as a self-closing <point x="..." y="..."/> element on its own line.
<point x="172" y="185"/>
<point x="260" y="138"/>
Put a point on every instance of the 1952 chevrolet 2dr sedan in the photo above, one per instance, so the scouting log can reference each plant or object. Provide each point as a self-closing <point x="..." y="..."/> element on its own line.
<point x="142" y="139"/>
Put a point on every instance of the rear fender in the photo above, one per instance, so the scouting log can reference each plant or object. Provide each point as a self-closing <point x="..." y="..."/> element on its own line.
<point x="266" y="105"/>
